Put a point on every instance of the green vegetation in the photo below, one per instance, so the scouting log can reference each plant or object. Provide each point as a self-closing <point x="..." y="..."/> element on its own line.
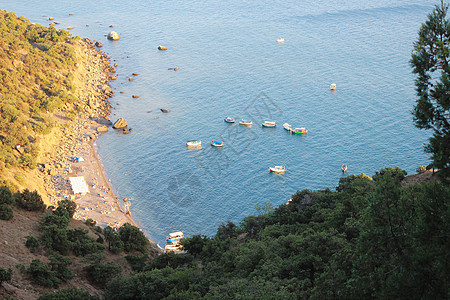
<point x="31" y="201"/>
<point x="370" y="239"/>
<point x="430" y="61"/>
<point x="32" y="243"/>
<point x="5" y="275"/>
<point x="36" y="76"/>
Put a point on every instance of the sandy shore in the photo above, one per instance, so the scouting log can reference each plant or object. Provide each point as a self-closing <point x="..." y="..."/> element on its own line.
<point x="78" y="139"/>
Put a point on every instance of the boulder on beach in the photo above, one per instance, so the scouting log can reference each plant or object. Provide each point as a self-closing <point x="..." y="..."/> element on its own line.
<point x="164" y="110"/>
<point x="112" y="35"/>
<point x="121" y="123"/>
<point x="102" y="129"/>
<point x="98" y="44"/>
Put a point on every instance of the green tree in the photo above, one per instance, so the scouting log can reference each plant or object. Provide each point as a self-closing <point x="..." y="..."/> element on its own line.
<point x="133" y="238"/>
<point x="5" y="275"/>
<point x="69" y="205"/>
<point x="430" y="61"/>
<point x="42" y="275"/>
<point x="6" y="197"/>
<point x="32" y="243"/>
<point x="30" y="200"/>
<point x="6" y="212"/>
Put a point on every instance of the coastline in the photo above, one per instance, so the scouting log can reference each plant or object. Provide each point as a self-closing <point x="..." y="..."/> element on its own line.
<point x="77" y="140"/>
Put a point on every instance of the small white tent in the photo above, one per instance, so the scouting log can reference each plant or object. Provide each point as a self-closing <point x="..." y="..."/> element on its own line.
<point x="79" y="185"/>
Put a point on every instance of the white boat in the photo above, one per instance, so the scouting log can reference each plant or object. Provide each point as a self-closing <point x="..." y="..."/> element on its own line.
<point x="300" y="130"/>
<point x="269" y="124"/>
<point x="287" y="126"/>
<point x="174" y="248"/>
<point x="175" y="237"/>
<point x="216" y="143"/>
<point x="246" y="123"/>
<point x="333" y="86"/>
<point x="194" y="143"/>
<point x="173" y="242"/>
<point x="229" y="120"/>
<point x="280" y="40"/>
<point x="344" y="168"/>
<point x="277" y="169"/>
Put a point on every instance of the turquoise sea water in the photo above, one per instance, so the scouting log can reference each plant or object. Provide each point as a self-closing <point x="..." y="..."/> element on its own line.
<point x="229" y="64"/>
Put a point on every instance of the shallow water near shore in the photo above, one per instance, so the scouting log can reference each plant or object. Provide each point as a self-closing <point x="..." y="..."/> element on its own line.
<point x="229" y="64"/>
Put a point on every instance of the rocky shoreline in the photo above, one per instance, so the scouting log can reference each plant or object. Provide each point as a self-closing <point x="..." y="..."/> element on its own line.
<point x="77" y="139"/>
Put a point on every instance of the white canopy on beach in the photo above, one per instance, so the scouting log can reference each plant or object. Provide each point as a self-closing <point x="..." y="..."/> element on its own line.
<point x="79" y="185"/>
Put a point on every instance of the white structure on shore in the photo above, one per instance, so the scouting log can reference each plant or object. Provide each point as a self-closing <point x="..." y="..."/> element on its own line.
<point x="79" y="185"/>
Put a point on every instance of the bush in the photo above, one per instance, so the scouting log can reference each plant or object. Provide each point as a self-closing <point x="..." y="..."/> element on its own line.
<point x="31" y="201"/>
<point x="100" y="273"/>
<point x="32" y="243"/>
<point x="81" y="243"/>
<point x="69" y="294"/>
<point x="133" y="238"/>
<point x="137" y="262"/>
<point x="90" y="222"/>
<point x="6" y="197"/>
<point x="6" y="212"/>
<point x="69" y="205"/>
<point x="59" y="264"/>
<point x="59" y="217"/>
<point x="421" y="169"/>
<point x="55" y="238"/>
<point x="5" y="275"/>
<point x="42" y="275"/>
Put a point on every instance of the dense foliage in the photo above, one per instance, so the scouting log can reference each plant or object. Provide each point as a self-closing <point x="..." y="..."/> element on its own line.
<point x="430" y="61"/>
<point x="36" y="77"/>
<point x="370" y="239"/>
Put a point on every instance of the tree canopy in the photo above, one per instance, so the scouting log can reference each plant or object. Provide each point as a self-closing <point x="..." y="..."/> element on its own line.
<point x="430" y="62"/>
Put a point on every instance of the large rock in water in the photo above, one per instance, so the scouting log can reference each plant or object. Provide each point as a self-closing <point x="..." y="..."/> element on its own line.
<point x="121" y="123"/>
<point x="102" y="129"/>
<point x="112" y="35"/>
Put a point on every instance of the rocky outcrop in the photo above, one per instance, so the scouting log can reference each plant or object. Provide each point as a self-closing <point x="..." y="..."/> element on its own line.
<point x="121" y="123"/>
<point x="98" y="44"/>
<point x="112" y="35"/>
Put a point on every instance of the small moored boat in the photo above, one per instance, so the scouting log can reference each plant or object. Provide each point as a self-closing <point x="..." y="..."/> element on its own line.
<point x="216" y="143"/>
<point x="175" y="237"/>
<point x="300" y="130"/>
<point x="194" y="143"/>
<point x="173" y="242"/>
<point x="269" y="124"/>
<point x="246" y="123"/>
<point x="277" y="169"/>
<point x="229" y="120"/>
<point x="280" y="40"/>
<point x="287" y="126"/>
<point x="333" y="86"/>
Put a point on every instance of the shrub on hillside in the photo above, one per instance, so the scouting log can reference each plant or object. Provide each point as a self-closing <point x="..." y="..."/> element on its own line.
<point x="42" y="275"/>
<point x="81" y="243"/>
<point x="100" y="273"/>
<point x="5" y="275"/>
<point x="32" y="243"/>
<point x="31" y="201"/>
<point x="133" y="238"/>
<point x="69" y="205"/>
<point x="6" y="212"/>
<point x="6" y="196"/>
<point x="59" y="264"/>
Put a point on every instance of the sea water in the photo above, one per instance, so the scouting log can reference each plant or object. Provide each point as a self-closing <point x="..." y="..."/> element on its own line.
<point x="229" y="64"/>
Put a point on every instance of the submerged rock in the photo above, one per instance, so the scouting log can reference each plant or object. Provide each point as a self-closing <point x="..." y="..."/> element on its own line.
<point x="112" y="35"/>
